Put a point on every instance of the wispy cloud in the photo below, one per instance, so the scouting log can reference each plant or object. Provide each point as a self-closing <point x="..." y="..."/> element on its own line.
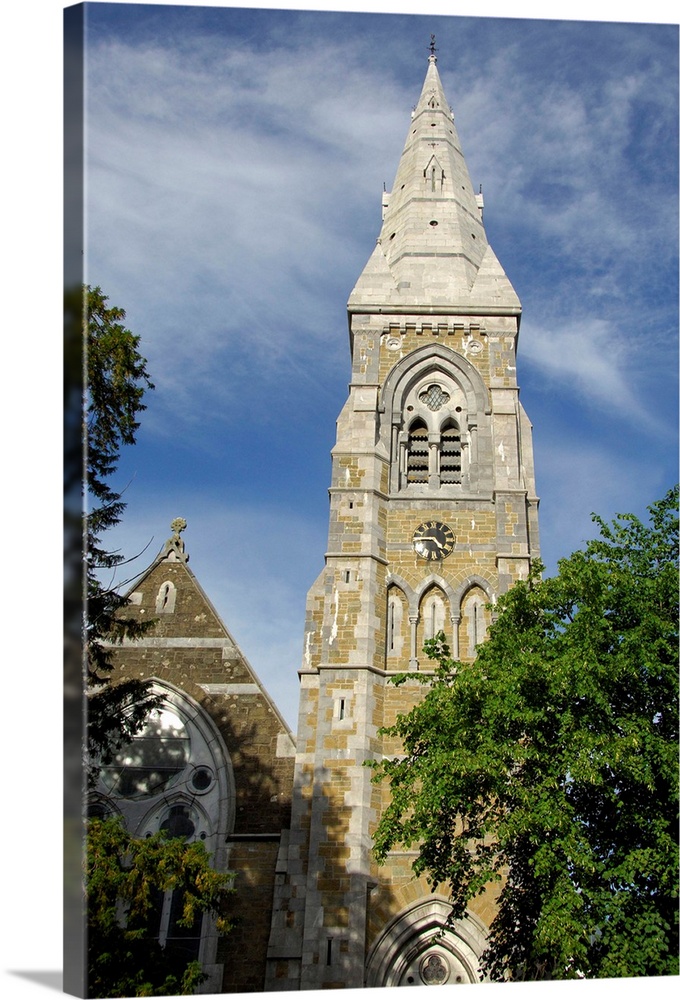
<point x="585" y="359"/>
<point x="216" y="205"/>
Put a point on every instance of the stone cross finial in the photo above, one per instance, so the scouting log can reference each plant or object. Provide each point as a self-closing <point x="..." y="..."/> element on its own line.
<point x="174" y="547"/>
<point x="178" y="525"/>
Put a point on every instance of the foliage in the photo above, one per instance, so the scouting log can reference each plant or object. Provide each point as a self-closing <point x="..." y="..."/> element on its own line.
<point x="550" y="764"/>
<point x="126" y="878"/>
<point x="115" y="379"/>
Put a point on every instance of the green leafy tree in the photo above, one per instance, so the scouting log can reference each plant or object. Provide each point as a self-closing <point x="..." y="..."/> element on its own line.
<point x="126" y="880"/>
<point x="550" y="764"/>
<point x="115" y="381"/>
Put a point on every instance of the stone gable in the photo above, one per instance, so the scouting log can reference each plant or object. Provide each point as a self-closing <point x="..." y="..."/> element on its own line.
<point x="190" y="650"/>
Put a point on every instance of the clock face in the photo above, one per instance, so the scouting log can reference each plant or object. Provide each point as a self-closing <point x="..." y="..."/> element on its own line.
<point x="433" y="540"/>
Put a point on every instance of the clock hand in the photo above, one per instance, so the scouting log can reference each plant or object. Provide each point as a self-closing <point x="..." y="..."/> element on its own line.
<point x="431" y="538"/>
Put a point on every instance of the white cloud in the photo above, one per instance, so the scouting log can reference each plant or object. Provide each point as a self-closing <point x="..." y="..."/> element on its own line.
<point x="585" y="357"/>
<point x="564" y="154"/>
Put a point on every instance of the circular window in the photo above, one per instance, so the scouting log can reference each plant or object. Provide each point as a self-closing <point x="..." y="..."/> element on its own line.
<point x="98" y="809"/>
<point x="201" y="779"/>
<point x="152" y="761"/>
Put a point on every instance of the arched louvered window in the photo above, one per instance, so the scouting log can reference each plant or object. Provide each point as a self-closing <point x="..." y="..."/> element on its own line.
<point x="417" y="458"/>
<point x="450" y="456"/>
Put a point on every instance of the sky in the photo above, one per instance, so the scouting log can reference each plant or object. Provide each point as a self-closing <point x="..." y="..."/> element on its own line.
<point x="236" y="166"/>
<point x="234" y="169"/>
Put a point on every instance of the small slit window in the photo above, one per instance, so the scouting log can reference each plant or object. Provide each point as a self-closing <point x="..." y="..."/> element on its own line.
<point x="341" y="709"/>
<point x="166" y="597"/>
<point x="394" y="638"/>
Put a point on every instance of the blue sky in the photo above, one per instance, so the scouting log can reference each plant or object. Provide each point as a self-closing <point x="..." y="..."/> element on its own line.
<point x="235" y="164"/>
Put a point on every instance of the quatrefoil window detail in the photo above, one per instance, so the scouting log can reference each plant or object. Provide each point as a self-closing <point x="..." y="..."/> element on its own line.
<point x="434" y="397"/>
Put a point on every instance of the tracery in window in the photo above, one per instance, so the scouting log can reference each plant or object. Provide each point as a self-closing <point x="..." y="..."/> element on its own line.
<point x="434" y="397"/>
<point x="174" y="777"/>
<point x="435" y="423"/>
<point x="148" y="763"/>
<point x="179" y="822"/>
<point x="433" y="444"/>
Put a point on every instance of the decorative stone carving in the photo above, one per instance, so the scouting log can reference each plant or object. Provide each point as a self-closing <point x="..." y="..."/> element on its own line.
<point x="434" y="969"/>
<point x="174" y="549"/>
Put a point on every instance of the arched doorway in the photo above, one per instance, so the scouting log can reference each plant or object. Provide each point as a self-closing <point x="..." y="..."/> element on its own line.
<point x="418" y="949"/>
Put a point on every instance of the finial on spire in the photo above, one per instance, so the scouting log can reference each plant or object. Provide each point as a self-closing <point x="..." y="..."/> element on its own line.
<point x="433" y="49"/>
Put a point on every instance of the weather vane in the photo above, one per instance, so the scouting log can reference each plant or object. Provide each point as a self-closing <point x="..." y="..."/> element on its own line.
<point x="432" y="46"/>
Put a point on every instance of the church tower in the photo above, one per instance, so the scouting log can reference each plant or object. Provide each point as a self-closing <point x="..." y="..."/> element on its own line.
<point x="433" y="513"/>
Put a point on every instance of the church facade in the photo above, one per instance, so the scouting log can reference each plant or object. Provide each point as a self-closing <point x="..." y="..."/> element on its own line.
<point x="433" y="514"/>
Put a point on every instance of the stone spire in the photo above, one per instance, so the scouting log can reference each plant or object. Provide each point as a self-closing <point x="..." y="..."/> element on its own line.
<point x="432" y="250"/>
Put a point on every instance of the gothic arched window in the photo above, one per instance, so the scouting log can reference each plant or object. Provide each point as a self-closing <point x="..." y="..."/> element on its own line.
<point x="473" y="621"/>
<point x="433" y="616"/>
<point x="173" y="776"/>
<point x="436" y="422"/>
<point x="179" y="821"/>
